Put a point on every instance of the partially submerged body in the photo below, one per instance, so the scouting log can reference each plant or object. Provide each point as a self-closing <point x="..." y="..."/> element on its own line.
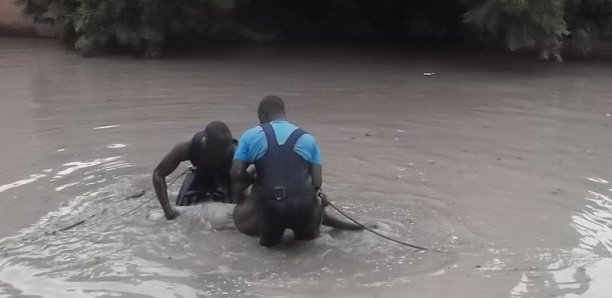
<point x="223" y="216"/>
<point x="211" y="153"/>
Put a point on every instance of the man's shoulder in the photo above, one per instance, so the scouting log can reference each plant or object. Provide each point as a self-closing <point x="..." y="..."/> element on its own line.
<point x="284" y="124"/>
<point x="251" y="132"/>
<point x="307" y="139"/>
<point x="254" y="129"/>
<point x="308" y="148"/>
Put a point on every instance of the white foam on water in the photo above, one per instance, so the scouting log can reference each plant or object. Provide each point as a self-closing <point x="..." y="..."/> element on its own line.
<point x="77" y="165"/>
<point x="106" y="126"/>
<point x="116" y="146"/>
<point x="598" y="180"/>
<point x="22" y="182"/>
<point x="62" y="187"/>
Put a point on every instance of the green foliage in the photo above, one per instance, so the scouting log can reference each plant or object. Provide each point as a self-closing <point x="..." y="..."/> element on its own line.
<point x="150" y="26"/>
<point x="34" y="7"/>
<point x="143" y="26"/>
<point x="522" y="23"/>
<point x="543" y="24"/>
<point x="589" y="21"/>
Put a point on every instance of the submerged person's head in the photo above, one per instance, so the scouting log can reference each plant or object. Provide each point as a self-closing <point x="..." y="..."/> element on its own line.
<point x="271" y="108"/>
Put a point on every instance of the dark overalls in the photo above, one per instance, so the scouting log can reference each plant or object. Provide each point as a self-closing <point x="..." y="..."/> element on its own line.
<point x="204" y="183"/>
<point x="286" y="195"/>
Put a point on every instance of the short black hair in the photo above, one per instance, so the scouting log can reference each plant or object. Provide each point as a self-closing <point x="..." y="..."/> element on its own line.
<point x="218" y="132"/>
<point x="272" y="105"/>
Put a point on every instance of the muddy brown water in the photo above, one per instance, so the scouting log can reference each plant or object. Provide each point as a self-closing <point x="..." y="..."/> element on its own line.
<point x="504" y="165"/>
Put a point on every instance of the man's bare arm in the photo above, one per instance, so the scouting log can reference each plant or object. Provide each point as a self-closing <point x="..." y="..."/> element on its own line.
<point x="241" y="179"/>
<point x="328" y="219"/>
<point x="169" y="163"/>
<point x="316" y="172"/>
<point x="316" y="177"/>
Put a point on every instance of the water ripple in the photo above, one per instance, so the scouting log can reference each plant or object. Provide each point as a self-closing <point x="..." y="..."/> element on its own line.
<point x="143" y="254"/>
<point x="585" y="269"/>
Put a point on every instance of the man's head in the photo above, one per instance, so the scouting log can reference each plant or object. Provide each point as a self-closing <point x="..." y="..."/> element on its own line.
<point x="219" y="144"/>
<point x="271" y="108"/>
<point x="218" y="136"/>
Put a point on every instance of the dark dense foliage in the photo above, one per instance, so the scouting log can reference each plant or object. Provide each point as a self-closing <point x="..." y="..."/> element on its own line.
<point x="151" y="26"/>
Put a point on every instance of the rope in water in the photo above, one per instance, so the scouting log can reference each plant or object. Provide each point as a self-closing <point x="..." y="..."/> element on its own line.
<point x="323" y="196"/>
<point x="370" y="229"/>
<point x="139" y="194"/>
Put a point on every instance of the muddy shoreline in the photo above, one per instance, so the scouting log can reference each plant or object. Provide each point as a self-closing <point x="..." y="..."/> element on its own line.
<point x="17" y="31"/>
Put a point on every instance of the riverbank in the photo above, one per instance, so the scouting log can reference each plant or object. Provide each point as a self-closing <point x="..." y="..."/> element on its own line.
<point x="14" y="24"/>
<point x="17" y="31"/>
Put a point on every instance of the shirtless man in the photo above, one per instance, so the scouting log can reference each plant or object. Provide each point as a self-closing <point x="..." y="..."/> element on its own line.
<point x="210" y="152"/>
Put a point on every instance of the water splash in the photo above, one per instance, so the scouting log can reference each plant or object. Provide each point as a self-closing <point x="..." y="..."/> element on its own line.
<point x="194" y="255"/>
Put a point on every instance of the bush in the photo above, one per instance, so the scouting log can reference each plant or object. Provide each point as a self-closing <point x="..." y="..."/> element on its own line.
<point x="522" y="23"/>
<point x="149" y="27"/>
<point x="143" y="26"/>
<point x="589" y="21"/>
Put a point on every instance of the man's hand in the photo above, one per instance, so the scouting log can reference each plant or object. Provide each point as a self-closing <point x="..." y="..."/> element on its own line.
<point x="171" y="161"/>
<point x="323" y="198"/>
<point x="171" y="214"/>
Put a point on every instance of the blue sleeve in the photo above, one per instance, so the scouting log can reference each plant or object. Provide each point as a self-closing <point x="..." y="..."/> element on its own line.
<point x="242" y="152"/>
<point x="308" y="148"/>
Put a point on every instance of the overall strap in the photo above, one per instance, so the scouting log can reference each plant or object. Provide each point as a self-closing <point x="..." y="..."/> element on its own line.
<point x="293" y="138"/>
<point x="270" y="135"/>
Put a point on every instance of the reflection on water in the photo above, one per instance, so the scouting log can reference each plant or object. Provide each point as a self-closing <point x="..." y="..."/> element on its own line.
<point x="562" y="283"/>
<point x="595" y="223"/>
<point x="586" y="269"/>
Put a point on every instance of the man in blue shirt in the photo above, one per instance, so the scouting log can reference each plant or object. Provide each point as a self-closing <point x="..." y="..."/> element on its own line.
<point x="287" y="177"/>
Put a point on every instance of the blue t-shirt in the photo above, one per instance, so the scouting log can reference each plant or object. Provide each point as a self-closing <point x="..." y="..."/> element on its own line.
<point x="253" y="143"/>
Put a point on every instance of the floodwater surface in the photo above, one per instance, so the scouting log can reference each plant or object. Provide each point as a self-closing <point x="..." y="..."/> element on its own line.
<point x="502" y="168"/>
